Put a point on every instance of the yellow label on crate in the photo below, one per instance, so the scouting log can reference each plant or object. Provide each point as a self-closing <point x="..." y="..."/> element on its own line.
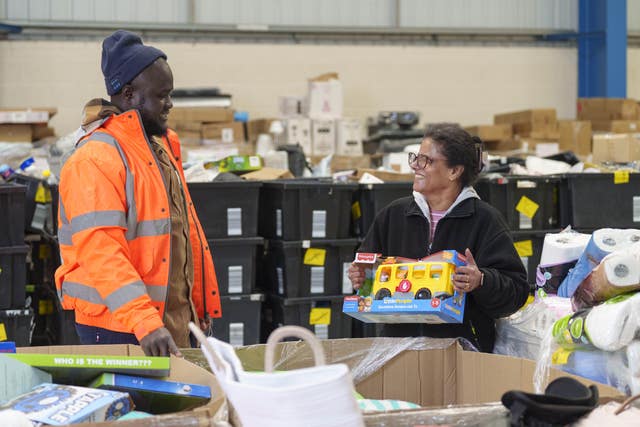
<point x="44" y="252"/>
<point x="43" y="195"/>
<point x="560" y="356"/>
<point x="314" y="256"/>
<point x="355" y="210"/>
<point x="527" y="206"/>
<point x="45" y="307"/>
<point x="320" y="316"/>
<point x="3" y="332"/>
<point x="524" y="248"/>
<point x="621" y="177"/>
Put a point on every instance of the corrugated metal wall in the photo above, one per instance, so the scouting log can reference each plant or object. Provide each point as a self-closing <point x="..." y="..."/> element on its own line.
<point x="522" y="15"/>
<point x="502" y="14"/>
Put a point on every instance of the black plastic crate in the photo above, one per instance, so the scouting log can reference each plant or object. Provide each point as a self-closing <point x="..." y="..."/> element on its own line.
<point x="17" y="325"/>
<point x="289" y="274"/>
<point x="599" y="200"/>
<point x="508" y="193"/>
<point x="306" y="209"/>
<point x="323" y="316"/>
<point x="371" y="198"/>
<point x="13" y="276"/>
<point x="41" y="210"/>
<point x="227" y="208"/>
<point x="529" y="246"/>
<point x="12" y="208"/>
<point x="235" y="263"/>
<point x="240" y="321"/>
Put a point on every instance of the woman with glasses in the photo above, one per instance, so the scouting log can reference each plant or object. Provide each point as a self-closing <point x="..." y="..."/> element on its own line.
<point x="445" y="212"/>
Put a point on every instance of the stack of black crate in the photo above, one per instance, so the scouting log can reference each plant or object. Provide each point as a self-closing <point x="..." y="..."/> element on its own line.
<point x="16" y="318"/>
<point x="368" y="200"/>
<point x="530" y="206"/>
<point x="228" y="213"/>
<point x="308" y="248"/>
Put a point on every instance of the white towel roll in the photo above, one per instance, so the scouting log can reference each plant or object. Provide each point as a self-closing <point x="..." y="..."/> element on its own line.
<point x="622" y="267"/>
<point x="563" y="247"/>
<point x="613" y="325"/>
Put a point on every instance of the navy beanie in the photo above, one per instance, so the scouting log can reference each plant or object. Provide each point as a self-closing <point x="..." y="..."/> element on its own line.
<point x="124" y="57"/>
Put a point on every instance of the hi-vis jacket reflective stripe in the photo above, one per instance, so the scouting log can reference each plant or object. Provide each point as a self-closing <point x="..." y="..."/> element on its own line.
<point x="114" y="232"/>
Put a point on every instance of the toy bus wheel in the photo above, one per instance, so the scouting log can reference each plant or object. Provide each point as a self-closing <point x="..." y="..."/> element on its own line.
<point x="423" y="293"/>
<point x="383" y="293"/>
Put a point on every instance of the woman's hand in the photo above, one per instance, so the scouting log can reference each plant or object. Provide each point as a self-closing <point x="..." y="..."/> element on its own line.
<point x="356" y="275"/>
<point x="467" y="278"/>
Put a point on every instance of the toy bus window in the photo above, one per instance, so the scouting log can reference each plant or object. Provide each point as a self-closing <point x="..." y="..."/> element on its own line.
<point x="419" y="271"/>
<point x="402" y="272"/>
<point x="385" y="273"/>
<point x="435" y="272"/>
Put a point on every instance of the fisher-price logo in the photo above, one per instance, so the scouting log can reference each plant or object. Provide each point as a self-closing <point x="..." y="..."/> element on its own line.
<point x="435" y="302"/>
<point x="366" y="257"/>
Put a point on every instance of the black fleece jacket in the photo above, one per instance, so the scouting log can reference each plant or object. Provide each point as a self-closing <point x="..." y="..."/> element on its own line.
<point x="401" y="229"/>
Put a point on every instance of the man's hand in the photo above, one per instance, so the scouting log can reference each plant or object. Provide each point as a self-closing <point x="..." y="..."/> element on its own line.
<point x="356" y="275"/>
<point x="159" y="343"/>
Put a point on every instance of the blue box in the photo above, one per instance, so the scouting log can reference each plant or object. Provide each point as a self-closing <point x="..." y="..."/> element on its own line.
<point x="401" y="290"/>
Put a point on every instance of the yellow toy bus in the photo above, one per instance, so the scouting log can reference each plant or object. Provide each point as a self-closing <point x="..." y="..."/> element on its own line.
<point x="426" y="280"/>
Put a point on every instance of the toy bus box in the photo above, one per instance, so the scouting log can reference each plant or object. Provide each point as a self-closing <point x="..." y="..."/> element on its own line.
<point x="402" y="290"/>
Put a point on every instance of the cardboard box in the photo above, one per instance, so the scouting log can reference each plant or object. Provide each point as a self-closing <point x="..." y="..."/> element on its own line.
<point x="267" y="174"/>
<point x="323" y="137"/>
<point x="181" y="371"/>
<point x="608" y="109"/>
<point x="383" y="175"/>
<point x="26" y="115"/>
<point x="613" y="147"/>
<point x="502" y="132"/>
<point x="41" y="131"/>
<point x="201" y="114"/>
<point x="529" y="130"/>
<point x="188" y="137"/>
<point x="225" y="132"/>
<point x="446" y="375"/>
<point x="343" y="163"/>
<point x="349" y="137"/>
<point x="292" y="106"/>
<point x="538" y="118"/>
<point x="616" y="126"/>
<point x="501" y="146"/>
<point x="256" y="127"/>
<point x="325" y="97"/>
<point x="298" y="131"/>
<point x="575" y="136"/>
<point x="16" y="133"/>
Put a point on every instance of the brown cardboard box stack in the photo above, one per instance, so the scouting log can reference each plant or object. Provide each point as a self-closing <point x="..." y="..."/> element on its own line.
<point x="575" y="135"/>
<point x="25" y="124"/>
<point x="532" y="129"/>
<point x="194" y="124"/>
<point x="495" y="137"/>
<point x="616" y="147"/>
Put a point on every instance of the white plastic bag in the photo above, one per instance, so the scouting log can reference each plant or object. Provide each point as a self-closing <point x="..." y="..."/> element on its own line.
<point x="321" y="396"/>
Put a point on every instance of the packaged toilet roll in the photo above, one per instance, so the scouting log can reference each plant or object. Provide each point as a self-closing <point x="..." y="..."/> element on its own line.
<point x="609" y="326"/>
<point x="560" y="248"/>
<point x="633" y="362"/>
<point x="603" y="242"/>
<point x="618" y="273"/>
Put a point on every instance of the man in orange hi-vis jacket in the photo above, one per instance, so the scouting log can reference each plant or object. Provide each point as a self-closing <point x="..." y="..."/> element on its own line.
<point x="136" y="266"/>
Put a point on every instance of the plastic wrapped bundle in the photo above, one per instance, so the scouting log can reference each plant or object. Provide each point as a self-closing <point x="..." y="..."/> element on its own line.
<point x="560" y="253"/>
<point x="609" y="326"/>
<point x="603" y="242"/>
<point x="618" y="273"/>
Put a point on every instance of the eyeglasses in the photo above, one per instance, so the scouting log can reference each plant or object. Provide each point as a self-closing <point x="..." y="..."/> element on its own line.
<point x="421" y="160"/>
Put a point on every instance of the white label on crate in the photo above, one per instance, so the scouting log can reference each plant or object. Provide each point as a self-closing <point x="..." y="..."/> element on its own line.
<point x="319" y="224"/>
<point x="280" y="280"/>
<point x="236" y="334"/>
<point x="321" y="331"/>
<point x="279" y="222"/>
<point x="347" y="287"/>
<point x="525" y="261"/>
<point x="526" y="223"/>
<point x="317" y="280"/>
<point x="227" y="135"/>
<point x="306" y="244"/>
<point x="636" y="209"/>
<point x="235" y="279"/>
<point x="234" y="221"/>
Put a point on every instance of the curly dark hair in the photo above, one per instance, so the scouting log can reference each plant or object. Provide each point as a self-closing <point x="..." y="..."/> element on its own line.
<point x="459" y="148"/>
